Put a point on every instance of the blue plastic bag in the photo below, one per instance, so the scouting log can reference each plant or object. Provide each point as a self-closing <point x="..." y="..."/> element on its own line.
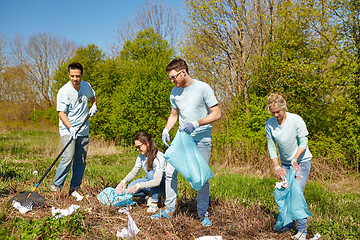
<point x="109" y="197"/>
<point x="185" y="157"/>
<point x="291" y="202"/>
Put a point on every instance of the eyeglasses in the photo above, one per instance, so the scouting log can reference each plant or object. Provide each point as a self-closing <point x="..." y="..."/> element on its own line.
<point x="79" y="98"/>
<point x="175" y="76"/>
<point x="138" y="146"/>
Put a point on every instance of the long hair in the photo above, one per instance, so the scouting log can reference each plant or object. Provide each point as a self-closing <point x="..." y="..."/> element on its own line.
<point x="144" y="138"/>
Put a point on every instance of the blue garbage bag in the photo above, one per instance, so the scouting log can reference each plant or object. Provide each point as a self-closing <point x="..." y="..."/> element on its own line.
<point x="185" y="157"/>
<point x="291" y="202"/>
<point x="109" y="197"/>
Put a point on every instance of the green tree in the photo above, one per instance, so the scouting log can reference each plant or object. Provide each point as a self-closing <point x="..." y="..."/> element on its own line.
<point x="141" y="99"/>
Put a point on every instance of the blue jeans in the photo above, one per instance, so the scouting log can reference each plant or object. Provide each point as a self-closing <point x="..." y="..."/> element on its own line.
<point x="154" y="191"/>
<point x="171" y="183"/>
<point x="75" y="154"/>
<point x="301" y="177"/>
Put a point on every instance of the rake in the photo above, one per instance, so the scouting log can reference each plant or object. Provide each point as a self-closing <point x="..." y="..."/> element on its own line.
<point x="30" y="199"/>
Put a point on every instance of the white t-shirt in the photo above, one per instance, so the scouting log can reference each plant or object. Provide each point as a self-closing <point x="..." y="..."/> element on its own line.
<point x="75" y="104"/>
<point x="194" y="103"/>
<point x="287" y="137"/>
<point x="159" y="163"/>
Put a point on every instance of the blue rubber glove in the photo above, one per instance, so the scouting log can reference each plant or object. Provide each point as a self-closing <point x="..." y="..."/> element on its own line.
<point x="190" y="127"/>
<point x="165" y="137"/>
<point x="93" y="110"/>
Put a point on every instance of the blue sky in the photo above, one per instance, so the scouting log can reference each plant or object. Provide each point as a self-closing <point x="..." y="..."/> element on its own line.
<point x="82" y="21"/>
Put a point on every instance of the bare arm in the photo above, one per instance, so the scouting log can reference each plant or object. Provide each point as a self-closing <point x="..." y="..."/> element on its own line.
<point x="174" y="114"/>
<point x="63" y="117"/>
<point x="215" y="114"/>
<point x="93" y="100"/>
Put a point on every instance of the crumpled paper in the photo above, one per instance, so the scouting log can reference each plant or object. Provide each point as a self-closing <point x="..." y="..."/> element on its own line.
<point x="22" y="209"/>
<point x="64" y="212"/>
<point x="316" y="237"/>
<point x="283" y="184"/>
<point x="77" y="195"/>
<point x="132" y="229"/>
<point x="209" y="238"/>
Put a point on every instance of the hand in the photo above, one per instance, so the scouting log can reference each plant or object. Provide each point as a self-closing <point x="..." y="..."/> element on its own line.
<point x="279" y="172"/>
<point x="72" y="133"/>
<point x="190" y="127"/>
<point x="133" y="188"/>
<point x="295" y="164"/>
<point x="120" y="188"/>
<point x="165" y="137"/>
<point x="93" y="110"/>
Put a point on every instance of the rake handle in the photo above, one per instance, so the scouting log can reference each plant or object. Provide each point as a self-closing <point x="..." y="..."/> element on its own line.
<point x="62" y="151"/>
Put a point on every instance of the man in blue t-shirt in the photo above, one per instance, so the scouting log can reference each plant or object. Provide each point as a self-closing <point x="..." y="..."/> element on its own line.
<point x="72" y="107"/>
<point x="195" y="104"/>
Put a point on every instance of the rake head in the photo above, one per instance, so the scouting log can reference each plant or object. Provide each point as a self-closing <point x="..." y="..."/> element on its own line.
<point x="29" y="200"/>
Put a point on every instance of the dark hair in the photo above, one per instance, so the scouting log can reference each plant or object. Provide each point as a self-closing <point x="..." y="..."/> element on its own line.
<point x="75" y="65"/>
<point x="144" y="138"/>
<point x="177" y="64"/>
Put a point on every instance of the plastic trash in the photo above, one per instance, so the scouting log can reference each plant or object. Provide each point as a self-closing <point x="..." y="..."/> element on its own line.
<point x="109" y="197"/>
<point x="22" y="209"/>
<point x="291" y="202"/>
<point x="209" y="238"/>
<point x="58" y="213"/>
<point x="132" y="229"/>
<point x="185" y="157"/>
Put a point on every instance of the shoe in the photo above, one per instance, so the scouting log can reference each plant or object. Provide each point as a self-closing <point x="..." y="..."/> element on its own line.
<point x="160" y="215"/>
<point x="205" y="221"/>
<point x="299" y="236"/>
<point x="152" y="208"/>
<point x="55" y="191"/>
<point x="148" y="203"/>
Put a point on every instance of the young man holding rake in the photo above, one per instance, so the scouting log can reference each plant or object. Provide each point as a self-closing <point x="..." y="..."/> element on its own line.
<point x="72" y="106"/>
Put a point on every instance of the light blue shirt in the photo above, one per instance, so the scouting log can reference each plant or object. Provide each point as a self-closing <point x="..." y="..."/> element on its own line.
<point x="75" y="104"/>
<point x="159" y="163"/>
<point x="287" y="137"/>
<point x="194" y="103"/>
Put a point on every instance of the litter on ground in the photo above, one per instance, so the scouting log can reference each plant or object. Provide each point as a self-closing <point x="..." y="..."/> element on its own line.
<point x="57" y="212"/>
<point x="132" y="229"/>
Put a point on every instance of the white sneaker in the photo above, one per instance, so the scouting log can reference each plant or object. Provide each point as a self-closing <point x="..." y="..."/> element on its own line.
<point x="152" y="208"/>
<point x="299" y="236"/>
<point x="148" y="203"/>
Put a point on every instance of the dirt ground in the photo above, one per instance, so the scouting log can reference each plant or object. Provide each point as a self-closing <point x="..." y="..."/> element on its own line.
<point x="231" y="220"/>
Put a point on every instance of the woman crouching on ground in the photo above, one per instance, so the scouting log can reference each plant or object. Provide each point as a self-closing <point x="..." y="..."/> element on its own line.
<point x="153" y="162"/>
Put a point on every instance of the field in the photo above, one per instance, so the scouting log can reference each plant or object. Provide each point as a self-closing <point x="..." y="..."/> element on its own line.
<point x="242" y="202"/>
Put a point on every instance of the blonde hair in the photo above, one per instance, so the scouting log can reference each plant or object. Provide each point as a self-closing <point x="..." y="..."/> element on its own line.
<point x="276" y="99"/>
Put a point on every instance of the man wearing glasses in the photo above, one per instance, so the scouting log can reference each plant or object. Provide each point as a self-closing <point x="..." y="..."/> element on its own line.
<point x="72" y="107"/>
<point x="196" y="106"/>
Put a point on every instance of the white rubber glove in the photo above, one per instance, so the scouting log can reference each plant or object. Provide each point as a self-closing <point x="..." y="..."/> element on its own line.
<point x="279" y="172"/>
<point x="93" y="110"/>
<point x="190" y="127"/>
<point x="120" y="188"/>
<point x="165" y="137"/>
<point x="72" y="133"/>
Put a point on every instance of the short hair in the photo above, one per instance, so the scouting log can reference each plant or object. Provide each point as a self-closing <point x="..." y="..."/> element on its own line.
<point x="75" y="65"/>
<point x="276" y="99"/>
<point x="177" y="65"/>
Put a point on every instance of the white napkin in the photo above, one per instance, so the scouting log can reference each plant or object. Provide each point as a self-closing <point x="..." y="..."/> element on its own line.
<point x="283" y="184"/>
<point x="64" y="212"/>
<point x="132" y="229"/>
<point x="77" y="195"/>
<point x="209" y="238"/>
<point x="22" y="209"/>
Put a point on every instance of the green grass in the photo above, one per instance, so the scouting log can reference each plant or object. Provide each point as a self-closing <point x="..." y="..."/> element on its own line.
<point x="335" y="216"/>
